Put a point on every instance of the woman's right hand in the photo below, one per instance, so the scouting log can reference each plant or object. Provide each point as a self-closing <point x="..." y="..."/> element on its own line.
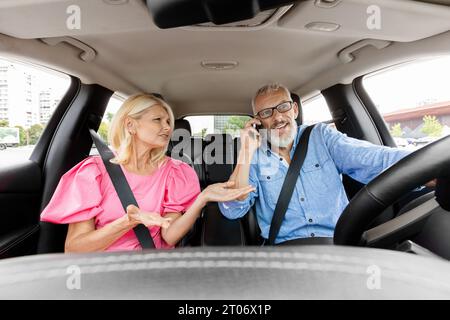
<point x="149" y="219"/>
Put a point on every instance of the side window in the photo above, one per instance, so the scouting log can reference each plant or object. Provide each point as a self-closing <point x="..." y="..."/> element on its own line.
<point x="28" y="97"/>
<point x="316" y="110"/>
<point x="113" y="105"/>
<point x="203" y="125"/>
<point x="414" y="100"/>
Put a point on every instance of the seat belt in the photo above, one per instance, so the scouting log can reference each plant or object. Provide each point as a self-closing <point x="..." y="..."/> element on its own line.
<point x="122" y="188"/>
<point x="289" y="184"/>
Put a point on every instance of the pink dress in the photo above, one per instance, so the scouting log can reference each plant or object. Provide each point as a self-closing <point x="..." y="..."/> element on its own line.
<point x="86" y="192"/>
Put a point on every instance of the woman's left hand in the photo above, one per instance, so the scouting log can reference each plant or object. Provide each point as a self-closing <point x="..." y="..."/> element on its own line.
<point x="221" y="192"/>
<point x="149" y="219"/>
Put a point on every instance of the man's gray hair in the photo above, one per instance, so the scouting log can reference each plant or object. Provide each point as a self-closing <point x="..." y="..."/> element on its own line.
<point x="267" y="89"/>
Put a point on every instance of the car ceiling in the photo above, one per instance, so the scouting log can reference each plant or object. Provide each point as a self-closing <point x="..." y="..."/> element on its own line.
<point x="131" y="54"/>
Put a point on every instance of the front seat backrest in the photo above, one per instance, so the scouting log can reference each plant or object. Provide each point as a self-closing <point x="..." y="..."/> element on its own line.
<point x="184" y="147"/>
<point x="218" y="157"/>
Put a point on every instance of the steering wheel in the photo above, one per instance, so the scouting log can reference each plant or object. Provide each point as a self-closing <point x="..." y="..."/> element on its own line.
<point x="421" y="166"/>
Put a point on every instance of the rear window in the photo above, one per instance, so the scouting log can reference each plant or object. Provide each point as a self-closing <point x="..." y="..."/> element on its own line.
<point x="203" y="125"/>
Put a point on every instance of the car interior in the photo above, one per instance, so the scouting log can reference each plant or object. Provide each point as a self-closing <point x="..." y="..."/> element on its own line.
<point x="211" y="62"/>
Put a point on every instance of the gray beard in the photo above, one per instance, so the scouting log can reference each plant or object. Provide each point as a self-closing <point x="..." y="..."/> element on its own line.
<point x="278" y="142"/>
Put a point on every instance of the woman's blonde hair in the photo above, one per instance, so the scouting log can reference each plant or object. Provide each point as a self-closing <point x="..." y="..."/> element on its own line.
<point x="120" y="138"/>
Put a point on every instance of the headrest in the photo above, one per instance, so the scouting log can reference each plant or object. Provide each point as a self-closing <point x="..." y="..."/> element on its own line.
<point x="296" y="99"/>
<point x="183" y="124"/>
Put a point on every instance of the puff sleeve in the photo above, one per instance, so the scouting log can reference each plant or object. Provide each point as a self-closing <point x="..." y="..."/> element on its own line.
<point x="78" y="195"/>
<point x="182" y="189"/>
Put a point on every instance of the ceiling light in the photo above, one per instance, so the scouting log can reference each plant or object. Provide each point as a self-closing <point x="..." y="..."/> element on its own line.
<point x="322" y="26"/>
<point x="219" y="65"/>
<point x="115" y="2"/>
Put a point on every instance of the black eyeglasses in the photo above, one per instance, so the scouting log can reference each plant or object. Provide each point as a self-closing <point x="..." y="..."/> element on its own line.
<point x="281" y="108"/>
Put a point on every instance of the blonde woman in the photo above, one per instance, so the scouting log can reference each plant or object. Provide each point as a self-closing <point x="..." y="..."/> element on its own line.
<point x="167" y="190"/>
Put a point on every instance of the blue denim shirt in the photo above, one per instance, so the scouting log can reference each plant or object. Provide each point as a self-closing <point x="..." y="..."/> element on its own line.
<point x="319" y="196"/>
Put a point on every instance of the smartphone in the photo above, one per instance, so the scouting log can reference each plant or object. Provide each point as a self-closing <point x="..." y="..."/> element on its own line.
<point x="257" y="127"/>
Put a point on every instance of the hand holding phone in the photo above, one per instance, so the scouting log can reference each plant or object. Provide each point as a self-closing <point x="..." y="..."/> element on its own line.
<point x="250" y="137"/>
<point x="257" y="127"/>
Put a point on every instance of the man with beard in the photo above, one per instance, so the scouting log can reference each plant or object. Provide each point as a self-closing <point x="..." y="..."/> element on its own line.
<point x="319" y="196"/>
